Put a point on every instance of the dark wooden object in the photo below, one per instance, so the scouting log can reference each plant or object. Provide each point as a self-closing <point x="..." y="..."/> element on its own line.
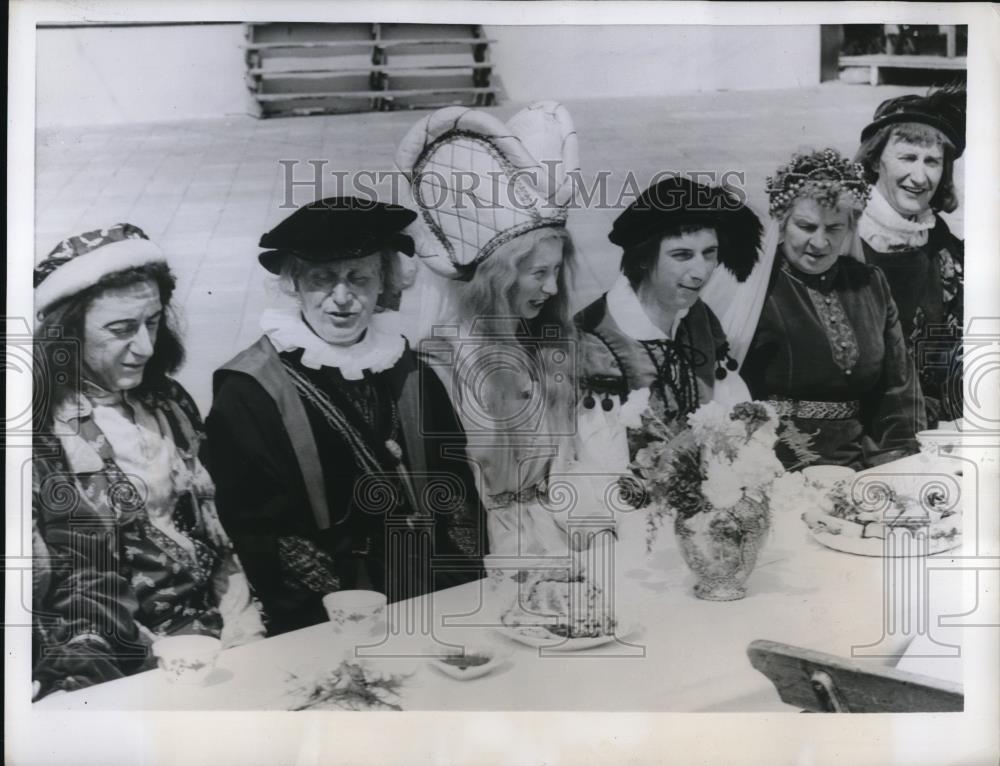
<point x="306" y="68"/>
<point x="825" y="683"/>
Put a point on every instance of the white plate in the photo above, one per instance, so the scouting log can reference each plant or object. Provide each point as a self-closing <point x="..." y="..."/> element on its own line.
<point x="874" y="546"/>
<point x="540" y="637"/>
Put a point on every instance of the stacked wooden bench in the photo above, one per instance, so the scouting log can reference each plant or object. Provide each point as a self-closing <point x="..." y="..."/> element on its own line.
<point x="302" y="68"/>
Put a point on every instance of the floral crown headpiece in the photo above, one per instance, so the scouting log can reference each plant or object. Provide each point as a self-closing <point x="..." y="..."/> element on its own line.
<point x="824" y="176"/>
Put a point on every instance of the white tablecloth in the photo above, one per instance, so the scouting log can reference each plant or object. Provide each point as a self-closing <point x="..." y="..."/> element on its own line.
<point x="688" y="655"/>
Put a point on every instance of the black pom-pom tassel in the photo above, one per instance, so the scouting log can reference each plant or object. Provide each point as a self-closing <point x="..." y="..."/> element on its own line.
<point x="720" y="373"/>
<point x="731" y="364"/>
<point x="607" y="404"/>
<point x="588" y="402"/>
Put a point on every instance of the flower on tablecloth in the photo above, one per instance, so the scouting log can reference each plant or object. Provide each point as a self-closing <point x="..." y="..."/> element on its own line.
<point x="350" y="686"/>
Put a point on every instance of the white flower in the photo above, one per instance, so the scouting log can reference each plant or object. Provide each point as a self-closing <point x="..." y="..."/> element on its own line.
<point x="721" y="487"/>
<point x="630" y="413"/>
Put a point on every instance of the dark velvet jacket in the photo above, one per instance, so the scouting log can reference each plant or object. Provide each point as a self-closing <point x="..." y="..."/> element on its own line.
<point x="110" y="569"/>
<point x="926" y="283"/>
<point x="836" y="337"/>
<point x="268" y="490"/>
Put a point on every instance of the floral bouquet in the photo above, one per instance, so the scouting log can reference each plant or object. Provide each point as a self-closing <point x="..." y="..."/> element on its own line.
<point x="713" y="476"/>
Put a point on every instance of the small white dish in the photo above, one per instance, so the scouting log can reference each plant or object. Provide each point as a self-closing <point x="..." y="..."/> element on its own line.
<point x="468" y="662"/>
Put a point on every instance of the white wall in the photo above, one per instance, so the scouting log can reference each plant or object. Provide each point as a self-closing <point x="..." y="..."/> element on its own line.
<point x="104" y="75"/>
<point x="580" y="62"/>
<point x="101" y="75"/>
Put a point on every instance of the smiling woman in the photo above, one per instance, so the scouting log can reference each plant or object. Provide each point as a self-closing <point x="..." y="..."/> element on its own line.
<point x="117" y="444"/>
<point x="651" y="330"/>
<point x="909" y="151"/>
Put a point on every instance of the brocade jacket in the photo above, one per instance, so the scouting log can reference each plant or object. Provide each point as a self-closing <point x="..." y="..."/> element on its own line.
<point x="116" y="581"/>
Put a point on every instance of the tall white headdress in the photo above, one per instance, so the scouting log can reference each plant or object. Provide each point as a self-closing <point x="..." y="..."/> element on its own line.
<point x="478" y="183"/>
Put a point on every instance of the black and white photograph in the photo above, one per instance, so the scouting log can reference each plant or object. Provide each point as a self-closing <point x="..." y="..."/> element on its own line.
<point x="563" y="377"/>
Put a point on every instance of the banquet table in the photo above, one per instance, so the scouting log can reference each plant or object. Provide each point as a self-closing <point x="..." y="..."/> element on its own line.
<point x="684" y="654"/>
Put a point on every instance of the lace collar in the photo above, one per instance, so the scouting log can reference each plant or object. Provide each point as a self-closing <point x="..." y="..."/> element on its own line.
<point x="885" y="230"/>
<point x="627" y="312"/>
<point x="381" y="347"/>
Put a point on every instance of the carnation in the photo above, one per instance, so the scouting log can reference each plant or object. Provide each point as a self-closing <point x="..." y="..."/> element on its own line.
<point x="721" y="487"/>
<point x="631" y="412"/>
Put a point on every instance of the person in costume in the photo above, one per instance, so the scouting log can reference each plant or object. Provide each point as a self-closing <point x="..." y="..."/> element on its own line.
<point x="827" y="350"/>
<point x="337" y="455"/>
<point x="494" y="305"/>
<point x="651" y="330"/>
<point x="122" y="504"/>
<point x="908" y="152"/>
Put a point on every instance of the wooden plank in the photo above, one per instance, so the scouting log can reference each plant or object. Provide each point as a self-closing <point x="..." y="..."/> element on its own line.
<point x="794" y="672"/>
<point x="275" y="97"/>
<point x="370" y="43"/>
<point x="411" y="69"/>
<point x="904" y="62"/>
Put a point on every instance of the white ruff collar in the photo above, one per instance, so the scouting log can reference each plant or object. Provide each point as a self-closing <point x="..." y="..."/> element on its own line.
<point x="381" y="347"/>
<point x="627" y="312"/>
<point x="886" y="230"/>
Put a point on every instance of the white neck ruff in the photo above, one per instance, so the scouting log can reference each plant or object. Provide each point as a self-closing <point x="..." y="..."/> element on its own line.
<point x="884" y="229"/>
<point x="627" y="312"/>
<point x="380" y="348"/>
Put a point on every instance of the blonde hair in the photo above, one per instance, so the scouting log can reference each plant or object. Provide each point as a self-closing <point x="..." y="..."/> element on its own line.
<point x="543" y="347"/>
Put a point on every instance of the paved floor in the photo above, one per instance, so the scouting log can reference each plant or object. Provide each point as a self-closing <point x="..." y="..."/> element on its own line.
<point x="206" y="190"/>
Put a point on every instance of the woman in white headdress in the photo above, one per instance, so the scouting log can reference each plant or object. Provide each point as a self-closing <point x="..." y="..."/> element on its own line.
<point x="493" y="309"/>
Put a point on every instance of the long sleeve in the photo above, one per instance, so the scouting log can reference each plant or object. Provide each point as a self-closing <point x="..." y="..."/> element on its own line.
<point x="895" y="410"/>
<point x="260" y="495"/>
<point x="86" y="618"/>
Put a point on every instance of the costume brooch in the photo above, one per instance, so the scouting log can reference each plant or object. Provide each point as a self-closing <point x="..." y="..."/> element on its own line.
<point x="824" y="176"/>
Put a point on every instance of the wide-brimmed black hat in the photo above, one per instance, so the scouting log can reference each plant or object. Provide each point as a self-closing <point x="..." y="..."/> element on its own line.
<point x="677" y="201"/>
<point x="943" y="109"/>
<point x="337" y="229"/>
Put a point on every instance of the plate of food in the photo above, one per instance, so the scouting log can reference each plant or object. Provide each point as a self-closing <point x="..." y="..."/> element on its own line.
<point x="563" y="613"/>
<point x="842" y="523"/>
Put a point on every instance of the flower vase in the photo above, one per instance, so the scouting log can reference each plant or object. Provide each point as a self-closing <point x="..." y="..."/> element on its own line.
<point x="720" y="545"/>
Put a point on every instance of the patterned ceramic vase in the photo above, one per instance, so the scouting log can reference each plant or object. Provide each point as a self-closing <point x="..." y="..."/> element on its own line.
<point x="720" y="546"/>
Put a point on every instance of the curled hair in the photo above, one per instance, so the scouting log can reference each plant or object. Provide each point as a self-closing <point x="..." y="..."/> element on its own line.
<point x="59" y="339"/>
<point x="869" y="155"/>
<point x="391" y="272"/>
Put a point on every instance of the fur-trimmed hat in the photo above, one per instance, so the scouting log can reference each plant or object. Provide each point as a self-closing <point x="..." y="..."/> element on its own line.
<point x="479" y="183"/>
<point x="337" y="229"/>
<point x="943" y="109"/>
<point x="80" y="262"/>
<point x="678" y="201"/>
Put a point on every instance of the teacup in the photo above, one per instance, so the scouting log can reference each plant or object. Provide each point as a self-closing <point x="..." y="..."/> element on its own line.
<point x="354" y="613"/>
<point x="828" y="475"/>
<point x="187" y="659"/>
